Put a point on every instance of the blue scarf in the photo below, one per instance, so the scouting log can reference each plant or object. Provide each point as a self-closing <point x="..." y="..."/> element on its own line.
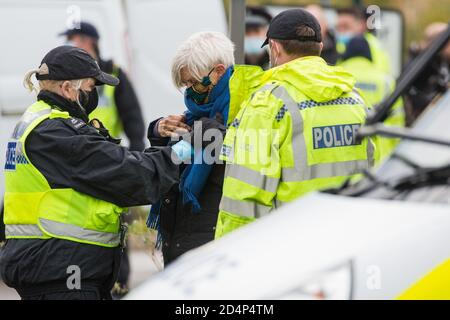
<point x="195" y="175"/>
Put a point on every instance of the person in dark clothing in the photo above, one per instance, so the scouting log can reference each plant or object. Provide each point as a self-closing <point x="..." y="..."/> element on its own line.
<point x="2" y="227"/>
<point x="67" y="157"/>
<point x="256" y="22"/>
<point x="120" y="112"/>
<point x="435" y="78"/>
<point x="182" y="229"/>
<point x="185" y="217"/>
<point x="329" y="52"/>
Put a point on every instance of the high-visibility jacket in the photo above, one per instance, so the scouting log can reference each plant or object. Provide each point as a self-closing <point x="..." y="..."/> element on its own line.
<point x="33" y="209"/>
<point x="244" y="80"/>
<point x="375" y="85"/>
<point x="379" y="55"/>
<point x="106" y="110"/>
<point x="294" y="135"/>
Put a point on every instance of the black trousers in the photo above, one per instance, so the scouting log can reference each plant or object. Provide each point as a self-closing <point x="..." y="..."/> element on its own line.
<point x="2" y="225"/>
<point x="91" y="290"/>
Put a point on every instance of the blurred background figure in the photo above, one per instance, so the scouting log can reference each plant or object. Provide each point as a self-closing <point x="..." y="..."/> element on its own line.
<point x="118" y="108"/>
<point x="352" y="22"/>
<point x="329" y="51"/>
<point x="436" y="77"/>
<point x="375" y="85"/>
<point x="256" y="22"/>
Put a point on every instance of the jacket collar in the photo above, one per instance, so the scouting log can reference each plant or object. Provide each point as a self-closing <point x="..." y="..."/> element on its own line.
<point x="61" y="103"/>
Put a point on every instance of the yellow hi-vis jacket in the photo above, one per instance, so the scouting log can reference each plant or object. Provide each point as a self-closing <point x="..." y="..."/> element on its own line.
<point x="244" y="80"/>
<point x="294" y="135"/>
<point x="375" y="85"/>
<point x="34" y="210"/>
<point x="380" y="57"/>
<point x="106" y="110"/>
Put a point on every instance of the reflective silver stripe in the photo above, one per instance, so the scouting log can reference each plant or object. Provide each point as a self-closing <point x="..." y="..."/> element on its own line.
<point x="279" y="203"/>
<point x="244" y="208"/>
<point x="252" y="177"/>
<point x="69" y="230"/>
<point x="23" y="230"/>
<point x="302" y="171"/>
<point x="26" y="120"/>
<point x="325" y="170"/>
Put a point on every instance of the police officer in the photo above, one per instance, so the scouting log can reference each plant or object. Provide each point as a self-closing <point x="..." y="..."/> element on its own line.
<point x="118" y="110"/>
<point x="375" y="85"/>
<point x="329" y="52"/>
<point x="118" y="107"/>
<point x="67" y="182"/>
<point x="352" y="22"/>
<point x="297" y="133"/>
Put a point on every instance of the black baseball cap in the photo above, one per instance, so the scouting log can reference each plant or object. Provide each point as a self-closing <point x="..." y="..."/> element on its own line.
<point x="70" y="63"/>
<point x="284" y="26"/>
<point x="84" y="28"/>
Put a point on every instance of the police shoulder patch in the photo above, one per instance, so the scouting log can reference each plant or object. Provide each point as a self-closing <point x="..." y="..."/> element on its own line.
<point x="75" y="123"/>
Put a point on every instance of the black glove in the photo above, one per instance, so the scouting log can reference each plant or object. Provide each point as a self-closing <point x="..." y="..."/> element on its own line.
<point x="206" y="124"/>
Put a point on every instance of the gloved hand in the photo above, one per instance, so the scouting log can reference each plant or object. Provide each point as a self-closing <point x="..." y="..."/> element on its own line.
<point x="203" y="125"/>
<point x="172" y="126"/>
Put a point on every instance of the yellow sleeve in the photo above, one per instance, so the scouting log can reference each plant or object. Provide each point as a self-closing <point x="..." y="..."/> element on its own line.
<point x="251" y="151"/>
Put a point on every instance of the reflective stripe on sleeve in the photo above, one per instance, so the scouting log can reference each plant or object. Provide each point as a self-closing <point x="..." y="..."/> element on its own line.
<point x="249" y="209"/>
<point x="252" y="177"/>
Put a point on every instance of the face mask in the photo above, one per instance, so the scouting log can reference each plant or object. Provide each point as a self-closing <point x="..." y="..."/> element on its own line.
<point x="253" y="45"/>
<point x="272" y="62"/>
<point x="345" y="37"/>
<point x="70" y="43"/>
<point x="88" y="100"/>
<point x="199" y="91"/>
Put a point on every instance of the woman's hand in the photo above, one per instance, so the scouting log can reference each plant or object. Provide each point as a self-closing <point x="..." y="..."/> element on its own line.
<point x="173" y="126"/>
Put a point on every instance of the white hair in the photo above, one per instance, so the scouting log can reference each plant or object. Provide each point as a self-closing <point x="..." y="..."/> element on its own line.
<point x="200" y="53"/>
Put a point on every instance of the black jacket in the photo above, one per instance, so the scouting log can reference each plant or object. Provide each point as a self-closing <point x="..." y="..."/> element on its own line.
<point x="72" y="154"/>
<point x="329" y="51"/>
<point x="182" y="229"/>
<point x="128" y="108"/>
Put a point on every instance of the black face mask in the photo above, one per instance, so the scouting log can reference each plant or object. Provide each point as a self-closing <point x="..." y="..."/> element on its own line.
<point x="88" y="100"/>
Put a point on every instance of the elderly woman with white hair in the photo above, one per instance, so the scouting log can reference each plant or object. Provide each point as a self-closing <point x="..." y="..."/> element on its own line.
<point x="204" y="66"/>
